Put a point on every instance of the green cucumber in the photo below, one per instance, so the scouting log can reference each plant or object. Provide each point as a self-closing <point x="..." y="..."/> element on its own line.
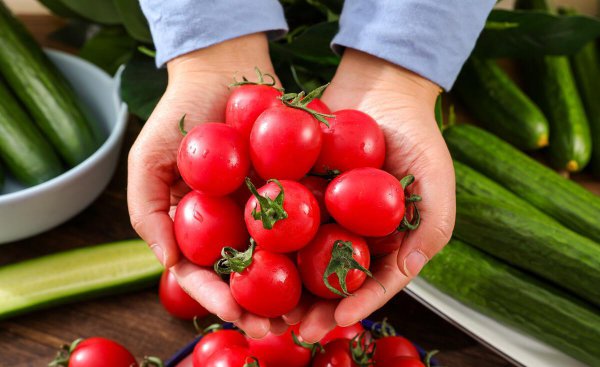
<point x="23" y="148"/>
<point x="552" y="87"/>
<point x="75" y="275"/>
<point x="566" y="201"/>
<point x="500" y="106"/>
<point x="44" y="91"/>
<point x="517" y="299"/>
<point x="471" y="182"/>
<point x="531" y="241"/>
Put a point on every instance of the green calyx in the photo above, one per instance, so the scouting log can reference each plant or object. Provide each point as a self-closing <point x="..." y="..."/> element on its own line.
<point x="150" y="361"/>
<point x="259" y="76"/>
<point x="314" y="348"/>
<point x="300" y="101"/>
<point x="414" y="222"/>
<point x="182" y="130"/>
<point x="63" y="355"/>
<point x="329" y="174"/>
<point x="382" y="329"/>
<point x="361" y="350"/>
<point x="428" y="357"/>
<point x="271" y="211"/>
<point x="340" y="264"/>
<point x="207" y="330"/>
<point x="252" y="363"/>
<point x="233" y="260"/>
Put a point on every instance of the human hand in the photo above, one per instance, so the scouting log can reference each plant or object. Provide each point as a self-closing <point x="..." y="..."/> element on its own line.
<point x="197" y="88"/>
<point x="403" y="104"/>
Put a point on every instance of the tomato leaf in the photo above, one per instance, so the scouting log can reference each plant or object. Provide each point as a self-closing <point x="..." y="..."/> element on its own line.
<point x="134" y="20"/>
<point x="109" y="49"/>
<point x="313" y="44"/>
<point x="142" y="85"/>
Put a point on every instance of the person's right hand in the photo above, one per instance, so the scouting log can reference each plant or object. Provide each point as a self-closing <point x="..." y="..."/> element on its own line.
<point x="198" y="88"/>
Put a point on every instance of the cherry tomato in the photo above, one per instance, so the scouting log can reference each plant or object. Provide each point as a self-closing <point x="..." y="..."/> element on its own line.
<point x="176" y="301"/>
<point x="101" y="352"/>
<point x="205" y="224"/>
<point x="292" y="232"/>
<point x="318" y="186"/>
<point x="270" y="286"/>
<point x="404" y="362"/>
<point x="390" y="347"/>
<point x="280" y="350"/>
<point x="246" y="103"/>
<point x="284" y="143"/>
<point x="352" y="140"/>
<point x="314" y="258"/>
<point x="213" y="158"/>
<point x="242" y="194"/>
<point x="234" y="356"/>
<point x="366" y="201"/>
<point x="319" y="106"/>
<point x="348" y="332"/>
<point x="217" y="341"/>
<point x="337" y="354"/>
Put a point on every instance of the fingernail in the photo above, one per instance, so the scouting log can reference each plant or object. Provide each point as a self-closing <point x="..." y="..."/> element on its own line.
<point x="159" y="253"/>
<point x="414" y="262"/>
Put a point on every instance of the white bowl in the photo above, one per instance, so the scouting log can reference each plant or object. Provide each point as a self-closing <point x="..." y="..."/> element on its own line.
<point x="25" y="212"/>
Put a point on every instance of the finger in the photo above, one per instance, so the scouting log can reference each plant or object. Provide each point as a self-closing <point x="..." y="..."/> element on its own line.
<point x="318" y="321"/>
<point x="278" y="326"/>
<point x="371" y="295"/>
<point x="256" y="327"/>
<point x="295" y="316"/>
<point x="206" y="287"/>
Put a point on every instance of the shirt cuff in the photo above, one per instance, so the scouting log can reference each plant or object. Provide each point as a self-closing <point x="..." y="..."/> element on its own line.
<point x="432" y="38"/>
<point x="182" y="26"/>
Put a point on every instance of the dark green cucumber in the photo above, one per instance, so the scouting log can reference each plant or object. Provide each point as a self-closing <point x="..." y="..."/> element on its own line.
<point x="500" y="106"/>
<point x="552" y="86"/>
<point x="565" y="200"/>
<point x="517" y="299"/>
<point x="23" y="148"/>
<point x="75" y="275"/>
<point x="531" y="241"/>
<point x="471" y="182"/>
<point x="44" y="91"/>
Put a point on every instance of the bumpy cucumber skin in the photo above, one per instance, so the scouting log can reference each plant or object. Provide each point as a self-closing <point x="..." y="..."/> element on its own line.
<point x="44" y="91"/>
<point x="513" y="297"/>
<point x="23" y="148"/>
<point x="500" y="106"/>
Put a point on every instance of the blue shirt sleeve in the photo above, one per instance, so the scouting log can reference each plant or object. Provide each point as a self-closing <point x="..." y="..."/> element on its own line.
<point x="432" y="38"/>
<point x="182" y="26"/>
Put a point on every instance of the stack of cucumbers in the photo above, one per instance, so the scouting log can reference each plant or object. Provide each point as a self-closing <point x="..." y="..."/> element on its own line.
<point x="43" y="129"/>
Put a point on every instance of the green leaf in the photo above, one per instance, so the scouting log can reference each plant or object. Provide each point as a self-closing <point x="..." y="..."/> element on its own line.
<point x="74" y="33"/>
<point x="142" y="85"/>
<point x="109" y="49"/>
<point x="313" y="44"/>
<point x="134" y="20"/>
<point x="98" y="11"/>
<point x="526" y="33"/>
<point x="58" y="8"/>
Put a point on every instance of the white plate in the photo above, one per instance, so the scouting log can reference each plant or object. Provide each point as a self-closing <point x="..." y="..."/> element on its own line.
<point x="513" y="344"/>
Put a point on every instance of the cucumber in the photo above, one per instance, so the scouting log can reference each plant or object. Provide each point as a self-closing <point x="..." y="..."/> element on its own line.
<point x="75" y="275"/>
<point x="500" y="106"/>
<point x="552" y="87"/>
<point x="471" y="182"/>
<point x="44" y="92"/>
<point x="531" y="241"/>
<point x="566" y="201"/>
<point x="23" y="148"/>
<point x="517" y="299"/>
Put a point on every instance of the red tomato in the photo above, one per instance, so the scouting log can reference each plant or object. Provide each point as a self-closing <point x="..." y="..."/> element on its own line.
<point x="213" y="158"/>
<point x="352" y="140"/>
<point x="234" y="356"/>
<point x="390" y="347"/>
<point x="246" y="103"/>
<point x="176" y="301"/>
<point x="367" y="201"/>
<point x="404" y="362"/>
<point x="318" y="186"/>
<point x="319" y="106"/>
<point x="280" y="350"/>
<point x="284" y="143"/>
<point x="216" y="342"/>
<point x="337" y="354"/>
<point x="205" y="224"/>
<point x="270" y="286"/>
<point x="348" y="332"/>
<point x="294" y="231"/>
<point x="380" y="246"/>
<point x="101" y="352"/>
<point x="242" y="194"/>
<point x="314" y="259"/>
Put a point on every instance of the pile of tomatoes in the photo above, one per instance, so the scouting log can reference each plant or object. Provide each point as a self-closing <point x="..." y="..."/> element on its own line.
<point x="287" y="195"/>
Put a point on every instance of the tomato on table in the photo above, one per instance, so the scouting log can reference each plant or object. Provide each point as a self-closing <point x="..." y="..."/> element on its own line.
<point x="234" y="356"/>
<point x="390" y="347"/>
<point x="281" y="350"/>
<point x="96" y="352"/>
<point x="176" y="301"/>
<point x="345" y="353"/>
<point x="217" y="341"/>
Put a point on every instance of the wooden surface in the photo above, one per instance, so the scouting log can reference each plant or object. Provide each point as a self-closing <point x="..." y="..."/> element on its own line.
<point x="137" y="320"/>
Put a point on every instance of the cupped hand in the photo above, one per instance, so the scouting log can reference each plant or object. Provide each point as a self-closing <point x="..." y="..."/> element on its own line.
<point x="403" y="104"/>
<point x="198" y="88"/>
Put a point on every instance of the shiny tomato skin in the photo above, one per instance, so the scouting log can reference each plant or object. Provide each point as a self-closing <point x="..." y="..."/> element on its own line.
<point x="280" y="350"/>
<point x="246" y="103"/>
<point x="205" y="224"/>
<point x="404" y="362"/>
<point x="347" y="332"/>
<point x="313" y="259"/>
<point x="216" y="342"/>
<point x="176" y="301"/>
<point x="318" y="186"/>
<point x="367" y="201"/>
<point x="381" y="246"/>
<point x="234" y="356"/>
<point x="295" y="231"/>
<point x="337" y="354"/>
<point x="390" y="347"/>
<point x="352" y="140"/>
<point x="269" y="287"/>
<point x="319" y="106"/>
<point x="213" y="158"/>
<point x="284" y="143"/>
<point x="101" y="352"/>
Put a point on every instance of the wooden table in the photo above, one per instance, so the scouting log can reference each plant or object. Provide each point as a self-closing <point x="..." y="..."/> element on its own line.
<point x="137" y="320"/>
